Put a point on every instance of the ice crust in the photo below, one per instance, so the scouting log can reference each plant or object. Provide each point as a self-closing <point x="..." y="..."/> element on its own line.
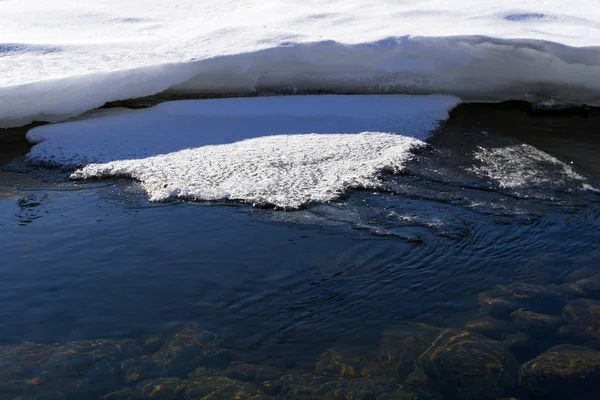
<point x="59" y="59"/>
<point x="522" y="166"/>
<point x="285" y="171"/>
<point x="286" y="151"/>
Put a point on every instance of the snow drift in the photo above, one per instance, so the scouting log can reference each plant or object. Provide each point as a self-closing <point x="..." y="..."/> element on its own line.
<point x="59" y="59"/>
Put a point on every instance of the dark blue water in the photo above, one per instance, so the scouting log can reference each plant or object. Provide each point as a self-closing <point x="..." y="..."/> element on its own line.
<point x="96" y="260"/>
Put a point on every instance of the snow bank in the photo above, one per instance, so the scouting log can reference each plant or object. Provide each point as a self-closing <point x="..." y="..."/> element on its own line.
<point x="59" y="59"/>
<point x="281" y="151"/>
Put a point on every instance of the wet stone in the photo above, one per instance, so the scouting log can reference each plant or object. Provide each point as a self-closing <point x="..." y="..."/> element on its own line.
<point x="161" y="389"/>
<point x="420" y="384"/>
<point x="587" y="287"/>
<point x="536" y="324"/>
<point x="153" y="344"/>
<point x="300" y="386"/>
<point x="181" y="351"/>
<point x="466" y="365"/>
<point x="564" y="371"/>
<point x="122" y="394"/>
<point x="570" y="290"/>
<point x="522" y="346"/>
<point x="221" y="387"/>
<point x="253" y="373"/>
<point x="584" y="313"/>
<point x="580" y="273"/>
<point x="577" y="335"/>
<point x="490" y="327"/>
<point x="343" y="362"/>
<point x="394" y="358"/>
<point x="140" y="368"/>
<point x="399" y="396"/>
<point x="64" y="370"/>
<point x="400" y="349"/>
<point x="583" y="316"/>
<point x="501" y="301"/>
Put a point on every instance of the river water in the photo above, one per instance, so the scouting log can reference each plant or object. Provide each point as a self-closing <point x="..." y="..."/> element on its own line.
<point x="309" y="299"/>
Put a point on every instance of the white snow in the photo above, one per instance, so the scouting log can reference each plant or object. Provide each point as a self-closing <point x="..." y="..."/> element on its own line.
<point x="287" y="171"/>
<point x="286" y="151"/>
<point x="60" y="58"/>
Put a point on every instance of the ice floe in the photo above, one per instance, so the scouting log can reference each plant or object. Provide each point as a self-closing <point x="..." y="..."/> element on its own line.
<point x="282" y="151"/>
<point x="522" y="166"/>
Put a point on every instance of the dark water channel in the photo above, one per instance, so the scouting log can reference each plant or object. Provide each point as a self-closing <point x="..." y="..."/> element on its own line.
<point x="444" y="284"/>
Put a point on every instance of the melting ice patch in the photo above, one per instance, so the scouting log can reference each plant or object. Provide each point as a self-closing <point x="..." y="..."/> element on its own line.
<point x="523" y="166"/>
<point x="281" y="151"/>
<point x="286" y="171"/>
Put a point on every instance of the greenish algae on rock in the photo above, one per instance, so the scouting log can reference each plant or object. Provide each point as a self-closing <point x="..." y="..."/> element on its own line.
<point x="492" y="328"/>
<point x="401" y="346"/>
<point x="122" y="394"/>
<point x="564" y="371"/>
<point x="537" y="324"/>
<point x="63" y="370"/>
<point x="585" y="287"/>
<point x="255" y="373"/>
<point x="584" y="314"/>
<point x="502" y="300"/>
<point x="581" y="273"/>
<point x="299" y="386"/>
<point x="220" y="387"/>
<point x="177" y="353"/>
<point x="161" y="388"/>
<point x="465" y="365"/>
<point x="343" y="362"/>
<point x="522" y="346"/>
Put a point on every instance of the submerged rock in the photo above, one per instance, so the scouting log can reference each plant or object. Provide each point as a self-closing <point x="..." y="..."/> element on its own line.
<point x="394" y="358"/>
<point x="202" y="387"/>
<point x="570" y="290"/>
<point x="522" y="346"/>
<point x="401" y="347"/>
<point x="122" y="394"/>
<point x="490" y="327"/>
<point x="583" y="316"/>
<point x="301" y="386"/>
<point x="178" y="352"/>
<point x="343" y="362"/>
<point x="584" y="313"/>
<point x="161" y="388"/>
<point x="536" y="324"/>
<point x="574" y="333"/>
<point x="253" y="373"/>
<point x="468" y="366"/>
<point x="63" y="370"/>
<point x="200" y="384"/>
<point x="581" y="273"/>
<point x="501" y="301"/>
<point x="587" y="287"/>
<point x="563" y="372"/>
